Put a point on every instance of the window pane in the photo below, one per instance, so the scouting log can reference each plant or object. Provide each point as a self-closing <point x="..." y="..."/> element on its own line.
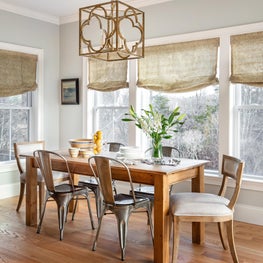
<point x="14" y="123"/>
<point x="109" y="110"/>
<point x="250" y="128"/>
<point x="198" y="137"/>
<point x="109" y="121"/>
<point x="22" y="100"/>
<point x="4" y="135"/>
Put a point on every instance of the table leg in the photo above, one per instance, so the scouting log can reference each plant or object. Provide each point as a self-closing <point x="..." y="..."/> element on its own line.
<point x="161" y="219"/>
<point x="31" y="192"/>
<point x="198" y="229"/>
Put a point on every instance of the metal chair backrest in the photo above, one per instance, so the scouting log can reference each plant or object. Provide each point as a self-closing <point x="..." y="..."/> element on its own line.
<point x="168" y="151"/>
<point x="114" y="146"/>
<point x="26" y="147"/>
<point x="44" y="160"/>
<point x="103" y="174"/>
<point x="232" y="168"/>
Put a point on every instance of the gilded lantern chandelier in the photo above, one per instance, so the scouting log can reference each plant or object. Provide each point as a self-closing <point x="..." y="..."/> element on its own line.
<point x="111" y="31"/>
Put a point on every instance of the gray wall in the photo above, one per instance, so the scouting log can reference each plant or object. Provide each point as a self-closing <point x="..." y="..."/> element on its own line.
<point x="29" y="32"/>
<point x="20" y="30"/>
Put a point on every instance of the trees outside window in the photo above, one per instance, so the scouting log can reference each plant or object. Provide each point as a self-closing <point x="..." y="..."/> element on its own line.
<point x="14" y="123"/>
<point x="248" y="123"/>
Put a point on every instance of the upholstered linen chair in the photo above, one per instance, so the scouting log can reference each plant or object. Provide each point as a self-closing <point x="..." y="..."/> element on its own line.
<point x="29" y="147"/>
<point x="122" y="205"/>
<point x="205" y="207"/>
<point x="62" y="193"/>
<point x="92" y="184"/>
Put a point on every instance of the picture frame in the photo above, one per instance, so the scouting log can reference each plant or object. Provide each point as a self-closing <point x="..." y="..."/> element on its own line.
<point x="70" y="91"/>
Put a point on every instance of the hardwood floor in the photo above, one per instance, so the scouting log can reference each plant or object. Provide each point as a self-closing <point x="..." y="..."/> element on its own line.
<point x="20" y="243"/>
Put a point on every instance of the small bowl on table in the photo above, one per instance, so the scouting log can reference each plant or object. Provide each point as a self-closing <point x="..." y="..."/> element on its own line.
<point x="73" y="152"/>
<point x="81" y="143"/>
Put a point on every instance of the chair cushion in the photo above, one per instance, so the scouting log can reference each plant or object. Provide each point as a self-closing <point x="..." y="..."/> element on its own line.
<point x="199" y="204"/>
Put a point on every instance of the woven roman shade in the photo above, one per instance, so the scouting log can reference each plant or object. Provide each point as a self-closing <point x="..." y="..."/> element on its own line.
<point x="107" y="76"/>
<point x="179" y="67"/>
<point x="247" y="59"/>
<point x="17" y="73"/>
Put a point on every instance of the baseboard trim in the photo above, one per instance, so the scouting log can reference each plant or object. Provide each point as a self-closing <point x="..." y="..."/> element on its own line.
<point x="249" y="214"/>
<point x="9" y="190"/>
<point x="243" y="213"/>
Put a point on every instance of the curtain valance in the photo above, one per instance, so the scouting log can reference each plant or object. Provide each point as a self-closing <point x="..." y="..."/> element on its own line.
<point x="107" y="76"/>
<point x="179" y="67"/>
<point x="247" y="59"/>
<point x="17" y="73"/>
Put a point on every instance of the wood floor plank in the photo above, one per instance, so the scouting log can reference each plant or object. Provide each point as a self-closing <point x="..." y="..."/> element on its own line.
<point x="20" y="243"/>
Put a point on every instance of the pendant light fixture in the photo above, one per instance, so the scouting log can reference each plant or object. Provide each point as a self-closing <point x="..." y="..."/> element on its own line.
<point x="111" y="31"/>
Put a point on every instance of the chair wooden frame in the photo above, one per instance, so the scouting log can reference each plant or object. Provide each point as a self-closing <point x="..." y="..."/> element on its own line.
<point x="25" y="147"/>
<point x="204" y="207"/>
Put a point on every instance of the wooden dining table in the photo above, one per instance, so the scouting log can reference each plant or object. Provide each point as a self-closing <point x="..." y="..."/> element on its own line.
<point x="161" y="176"/>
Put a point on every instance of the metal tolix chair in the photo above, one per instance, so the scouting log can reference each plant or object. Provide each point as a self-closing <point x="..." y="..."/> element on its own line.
<point x="61" y="193"/>
<point x="122" y="205"/>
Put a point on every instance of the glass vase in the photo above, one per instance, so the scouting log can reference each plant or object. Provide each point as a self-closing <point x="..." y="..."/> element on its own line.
<point x="157" y="151"/>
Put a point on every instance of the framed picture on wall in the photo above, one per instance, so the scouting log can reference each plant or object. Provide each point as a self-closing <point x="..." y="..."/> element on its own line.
<point x="70" y="91"/>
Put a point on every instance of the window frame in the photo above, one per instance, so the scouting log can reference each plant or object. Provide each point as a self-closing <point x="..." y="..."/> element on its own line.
<point x="36" y="130"/>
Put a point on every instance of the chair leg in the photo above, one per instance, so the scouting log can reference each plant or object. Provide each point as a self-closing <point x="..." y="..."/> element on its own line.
<point x="62" y="214"/>
<point x="41" y="217"/>
<point x="230" y="236"/>
<point x="122" y="215"/>
<point x="41" y="190"/>
<point x="222" y="234"/>
<point x="90" y="213"/>
<point x="21" y="196"/>
<point x="176" y="238"/>
<point x="75" y="208"/>
<point x="150" y="222"/>
<point x="98" y="230"/>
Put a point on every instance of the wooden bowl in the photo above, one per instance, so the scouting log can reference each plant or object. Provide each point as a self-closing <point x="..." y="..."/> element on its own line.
<point x="81" y="143"/>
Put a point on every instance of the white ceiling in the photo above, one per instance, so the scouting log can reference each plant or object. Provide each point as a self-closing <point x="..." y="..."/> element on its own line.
<point x="58" y="9"/>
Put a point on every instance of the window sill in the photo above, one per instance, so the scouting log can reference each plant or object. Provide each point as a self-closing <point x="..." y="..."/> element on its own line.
<point x="247" y="183"/>
<point x="8" y="167"/>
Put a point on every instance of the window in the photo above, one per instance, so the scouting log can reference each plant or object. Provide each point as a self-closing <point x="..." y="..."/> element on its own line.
<point x="108" y="110"/>
<point x="221" y="119"/>
<point x="198" y="137"/>
<point x="248" y="123"/>
<point x="21" y="116"/>
<point x="14" y="123"/>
